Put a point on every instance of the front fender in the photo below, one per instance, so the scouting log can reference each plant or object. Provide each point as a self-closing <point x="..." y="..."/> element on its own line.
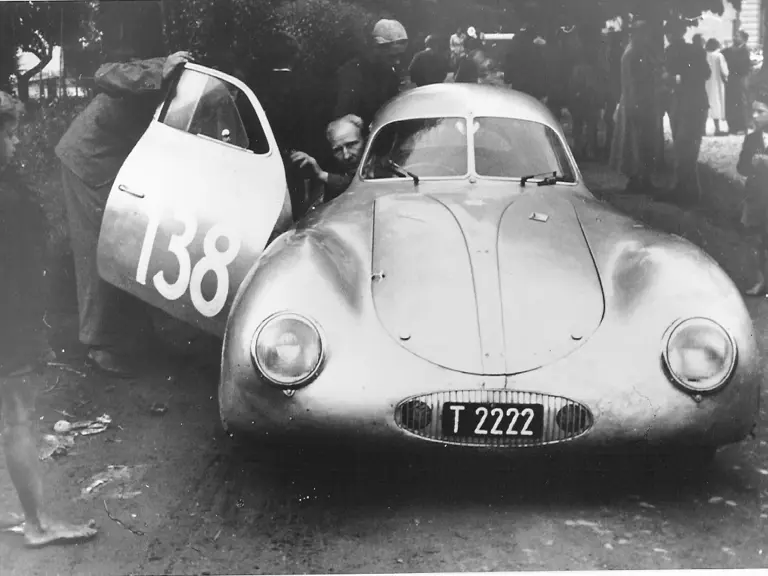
<point x="316" y="273"/>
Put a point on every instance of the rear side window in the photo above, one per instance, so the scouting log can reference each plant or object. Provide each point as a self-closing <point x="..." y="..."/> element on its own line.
<point x="216" y="110"/>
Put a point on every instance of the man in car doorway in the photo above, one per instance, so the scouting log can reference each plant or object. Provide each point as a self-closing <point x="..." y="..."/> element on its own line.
<point x="91" y="152"/>
<point x="346" y="135"/>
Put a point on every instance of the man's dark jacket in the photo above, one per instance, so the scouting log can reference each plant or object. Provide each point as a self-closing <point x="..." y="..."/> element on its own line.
<point x="364" y="86"/>
<point x="103" y="135"/>
<point x="428" y="67"/>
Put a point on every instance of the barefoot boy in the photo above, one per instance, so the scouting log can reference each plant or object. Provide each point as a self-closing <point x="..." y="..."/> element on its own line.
<point x="21" y="301"/>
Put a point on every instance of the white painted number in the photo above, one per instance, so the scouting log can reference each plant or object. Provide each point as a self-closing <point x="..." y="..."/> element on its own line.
<point x="146" y="248"/>
<point x="216" y="262"/>
<point x="178" y="246"/>
<point x="189" y="278"/>
<point x="484" y="412"/>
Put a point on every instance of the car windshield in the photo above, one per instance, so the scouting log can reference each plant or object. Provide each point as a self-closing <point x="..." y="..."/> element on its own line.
<point x="437" y="148"/>
<point x="515" y="148"/>
<point x="426" y="147"/>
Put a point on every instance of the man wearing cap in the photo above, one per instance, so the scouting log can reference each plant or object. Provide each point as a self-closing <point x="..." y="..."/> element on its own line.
<point x="429" y="66"/>
<point x="366" y="83"/>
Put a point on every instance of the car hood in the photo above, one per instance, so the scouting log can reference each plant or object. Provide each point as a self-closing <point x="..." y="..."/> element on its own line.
<point x="484" y="282"/>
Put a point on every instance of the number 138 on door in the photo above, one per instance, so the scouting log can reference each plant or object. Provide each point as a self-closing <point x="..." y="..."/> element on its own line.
<point x="192" y="266"/>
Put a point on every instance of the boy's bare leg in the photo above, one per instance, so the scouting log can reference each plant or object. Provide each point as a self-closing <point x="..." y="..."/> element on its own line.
<point x="23" y="467"/>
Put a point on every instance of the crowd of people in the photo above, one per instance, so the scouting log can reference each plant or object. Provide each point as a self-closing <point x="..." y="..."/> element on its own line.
<point x="620" y="77"/>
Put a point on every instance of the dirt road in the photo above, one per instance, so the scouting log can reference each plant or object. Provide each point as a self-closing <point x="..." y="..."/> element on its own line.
<point x="190" y="503"/>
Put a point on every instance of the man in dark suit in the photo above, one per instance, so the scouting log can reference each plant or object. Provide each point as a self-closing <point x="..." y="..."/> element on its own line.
<point x="429" y="66"/>
<point x="91" y="152"/>
<point x="366" y="83"/>
<point x="753" y="163"/>
<point x="736" y="101"/>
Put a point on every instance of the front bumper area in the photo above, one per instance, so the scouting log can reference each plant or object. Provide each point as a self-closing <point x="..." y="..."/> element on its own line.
<point x="563" y="419"/>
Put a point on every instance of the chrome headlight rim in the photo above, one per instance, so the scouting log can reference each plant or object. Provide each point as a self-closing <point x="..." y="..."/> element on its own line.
<point x="288" y="315"/>
<point x="675" y="378"/>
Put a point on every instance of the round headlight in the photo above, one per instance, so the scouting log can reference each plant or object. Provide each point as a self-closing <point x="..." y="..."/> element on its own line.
<point x="287" y="349"/>
<point x="700" y="355"/>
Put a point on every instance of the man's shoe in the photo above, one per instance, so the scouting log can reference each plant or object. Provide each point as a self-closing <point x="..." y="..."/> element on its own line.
<point x="111" y="363"/>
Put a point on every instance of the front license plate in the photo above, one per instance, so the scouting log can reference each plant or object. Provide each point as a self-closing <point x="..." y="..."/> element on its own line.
<point x="473" y="420"/>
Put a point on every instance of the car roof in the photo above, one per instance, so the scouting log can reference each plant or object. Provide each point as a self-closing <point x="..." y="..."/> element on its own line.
<point x="459" y="99"/>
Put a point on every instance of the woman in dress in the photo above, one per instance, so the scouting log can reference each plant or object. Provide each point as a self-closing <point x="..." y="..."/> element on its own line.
<point x="716" y="84"/>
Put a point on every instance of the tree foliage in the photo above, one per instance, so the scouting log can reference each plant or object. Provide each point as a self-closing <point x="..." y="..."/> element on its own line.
<point x="36" y="27"/>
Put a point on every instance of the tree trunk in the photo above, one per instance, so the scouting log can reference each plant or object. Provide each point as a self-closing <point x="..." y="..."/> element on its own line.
<point x="23" y="79"/>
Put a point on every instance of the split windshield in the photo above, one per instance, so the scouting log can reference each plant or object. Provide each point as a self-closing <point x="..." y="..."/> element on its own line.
<point x="438" y="148"/>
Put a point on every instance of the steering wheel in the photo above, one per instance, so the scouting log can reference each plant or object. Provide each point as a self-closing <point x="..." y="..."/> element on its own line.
<point x="415" y="168"/>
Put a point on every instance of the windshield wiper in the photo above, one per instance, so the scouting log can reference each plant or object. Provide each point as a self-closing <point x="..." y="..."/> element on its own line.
<point x="400" y="171"/>
<point x="547" y="179"/>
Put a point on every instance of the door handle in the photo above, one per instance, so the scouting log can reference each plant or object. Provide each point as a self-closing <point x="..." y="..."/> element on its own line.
<point x="124" y="188"/>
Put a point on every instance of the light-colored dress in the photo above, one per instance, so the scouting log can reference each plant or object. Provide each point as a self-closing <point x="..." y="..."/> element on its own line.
<point x="716" y="84"/>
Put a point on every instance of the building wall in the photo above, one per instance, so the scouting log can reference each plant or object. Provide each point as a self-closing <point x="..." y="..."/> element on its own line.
<point x="722" y="27"/>
<point x="751" y="21"/>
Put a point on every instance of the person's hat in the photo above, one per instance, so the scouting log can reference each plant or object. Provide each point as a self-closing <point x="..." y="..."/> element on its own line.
<point x="388" y="31"/>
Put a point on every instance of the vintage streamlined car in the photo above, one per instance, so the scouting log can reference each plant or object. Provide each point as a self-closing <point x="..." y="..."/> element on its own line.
<point x="467" y="290"/>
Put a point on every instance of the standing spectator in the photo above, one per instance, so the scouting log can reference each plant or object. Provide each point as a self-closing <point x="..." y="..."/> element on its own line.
<point x="588" y="90"/>
<point x="366" y="83"/>
<point x="716" y="84"/>
<point x="691" y="105"/>
<point x="458" y="50"/>
<point x="614" y="46"/>
<point x="429" y="66"/>
<point x="472" y="68"/>
<point x="275" y="83"/>
<point x="22" y="241"/>
<point x="739" y="66"/>
<point x="675" y="58"/>
<point x="753" y="163"/>
<point x="91" y="152"/>
<point x="472" y="41"/>
<point x="525" y="66"/>
<point x="634" y="147"/>
<point x="346" y="135"/>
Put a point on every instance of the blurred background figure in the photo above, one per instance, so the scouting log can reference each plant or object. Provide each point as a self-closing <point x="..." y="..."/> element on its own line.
<point x="633" y="151"/>
<point x="472" y="68"/>
<point x="367" y="82"/>
<point x="716" y="84"/>
<point x="525" y="65"/>
<point x="458" y="49"/>
<point x="430" y="66"/>
<point x="737" y="112"/>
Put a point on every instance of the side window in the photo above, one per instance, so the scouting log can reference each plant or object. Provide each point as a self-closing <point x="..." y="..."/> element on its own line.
<point x="214" y="109"/>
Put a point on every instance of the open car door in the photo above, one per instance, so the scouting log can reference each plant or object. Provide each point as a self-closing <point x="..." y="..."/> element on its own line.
<point x="196" y="201"/>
